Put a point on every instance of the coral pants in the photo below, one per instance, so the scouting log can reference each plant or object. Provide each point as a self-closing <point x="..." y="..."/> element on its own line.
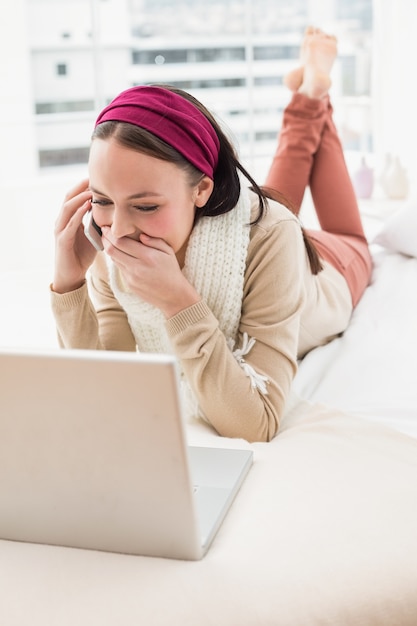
<point x="309" y="153"/>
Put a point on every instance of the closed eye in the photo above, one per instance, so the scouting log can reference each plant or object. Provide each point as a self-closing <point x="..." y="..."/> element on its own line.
<point x="146" y="208"/>
<point x="101" y="202"/>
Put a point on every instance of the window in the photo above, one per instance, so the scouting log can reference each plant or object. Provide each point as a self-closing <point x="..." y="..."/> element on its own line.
<point x="148" y="57"/>
<point x="275" y="52"/>
<point x="218" y="55"/>
<point x="189" y="55"/>
<point x="231" y="54"/>
<point x="61" y="69"/>
<point x="268" y="80"/>
<point x="66" y="156"/>
<point x="214" y="83"/>
<point x="64" y="107"/>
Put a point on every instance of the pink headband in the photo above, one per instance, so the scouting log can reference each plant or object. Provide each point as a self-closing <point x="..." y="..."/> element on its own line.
<point x="170" y="117"/>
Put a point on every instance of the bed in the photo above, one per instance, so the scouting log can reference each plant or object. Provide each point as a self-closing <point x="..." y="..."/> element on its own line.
<point x="324" y="529"/>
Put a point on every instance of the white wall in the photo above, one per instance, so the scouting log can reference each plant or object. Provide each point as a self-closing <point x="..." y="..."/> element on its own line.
<point x="28" y="213"/>
<point x="17" y="141"/>
<point x="29" y="210"/>
<point x="395" y="54"/>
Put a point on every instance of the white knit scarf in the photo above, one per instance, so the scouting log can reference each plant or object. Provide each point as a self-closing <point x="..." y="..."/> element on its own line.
<point x="215" y="265"/>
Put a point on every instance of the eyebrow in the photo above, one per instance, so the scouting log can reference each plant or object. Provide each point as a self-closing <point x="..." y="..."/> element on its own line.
<point x="134" y="196"/>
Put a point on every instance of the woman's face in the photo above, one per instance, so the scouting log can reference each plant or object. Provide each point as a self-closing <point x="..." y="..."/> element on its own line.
<point x="134" y="193"/>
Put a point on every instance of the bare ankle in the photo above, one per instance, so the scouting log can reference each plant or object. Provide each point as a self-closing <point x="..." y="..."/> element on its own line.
<point x="315" y="84"/>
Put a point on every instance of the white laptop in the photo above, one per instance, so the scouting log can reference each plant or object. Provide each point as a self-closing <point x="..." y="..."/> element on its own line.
<point x="93" y="454"/>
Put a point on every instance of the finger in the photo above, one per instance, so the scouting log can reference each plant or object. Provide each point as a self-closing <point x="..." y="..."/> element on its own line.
<point x="156" y="243"/>
<point x="70" y="207"/>
<point x="120" y="248"/>
<point x="146" y="249"/>
<point x="72" y="223"/>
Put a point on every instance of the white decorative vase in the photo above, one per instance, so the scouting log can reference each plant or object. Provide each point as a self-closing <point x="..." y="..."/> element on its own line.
<point x="395" y="181"/>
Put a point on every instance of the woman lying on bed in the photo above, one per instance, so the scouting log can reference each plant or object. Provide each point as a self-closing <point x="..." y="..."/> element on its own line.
<point x="197" y="264"/>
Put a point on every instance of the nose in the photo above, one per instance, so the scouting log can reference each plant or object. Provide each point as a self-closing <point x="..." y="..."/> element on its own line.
<point x="122" y="224"/>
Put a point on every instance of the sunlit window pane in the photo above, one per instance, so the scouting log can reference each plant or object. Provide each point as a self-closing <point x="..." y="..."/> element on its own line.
<point x="231" y="54"/>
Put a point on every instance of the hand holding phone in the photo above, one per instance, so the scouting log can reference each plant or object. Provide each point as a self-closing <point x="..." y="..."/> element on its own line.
<point x="93" y="232"/>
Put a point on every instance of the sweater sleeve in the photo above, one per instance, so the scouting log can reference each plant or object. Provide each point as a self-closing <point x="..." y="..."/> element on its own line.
<point x="271" y="311"/>
<point x="91" y="317"/>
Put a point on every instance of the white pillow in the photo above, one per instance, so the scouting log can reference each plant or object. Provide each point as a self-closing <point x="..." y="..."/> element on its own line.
<point x="399" y="232"/>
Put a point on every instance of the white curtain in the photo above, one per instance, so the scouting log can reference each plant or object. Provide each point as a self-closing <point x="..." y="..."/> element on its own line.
<point x="394" y="82"/>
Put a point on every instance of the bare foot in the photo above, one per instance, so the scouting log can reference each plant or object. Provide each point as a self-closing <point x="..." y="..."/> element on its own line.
<point x="318" y="52"/>
<point x="294" y="78"/>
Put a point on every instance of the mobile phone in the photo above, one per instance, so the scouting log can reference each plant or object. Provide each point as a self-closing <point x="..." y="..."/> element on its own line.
<point x="92" y="231"/>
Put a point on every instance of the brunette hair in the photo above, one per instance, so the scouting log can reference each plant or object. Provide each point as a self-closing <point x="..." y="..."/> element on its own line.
<point x="227" y="186"/>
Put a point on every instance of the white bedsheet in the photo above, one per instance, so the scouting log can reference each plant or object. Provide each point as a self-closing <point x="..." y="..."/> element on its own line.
<point x="371" y="371"/>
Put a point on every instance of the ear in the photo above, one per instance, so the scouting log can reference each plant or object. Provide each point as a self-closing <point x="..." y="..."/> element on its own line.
<point x="203" y="191"/>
